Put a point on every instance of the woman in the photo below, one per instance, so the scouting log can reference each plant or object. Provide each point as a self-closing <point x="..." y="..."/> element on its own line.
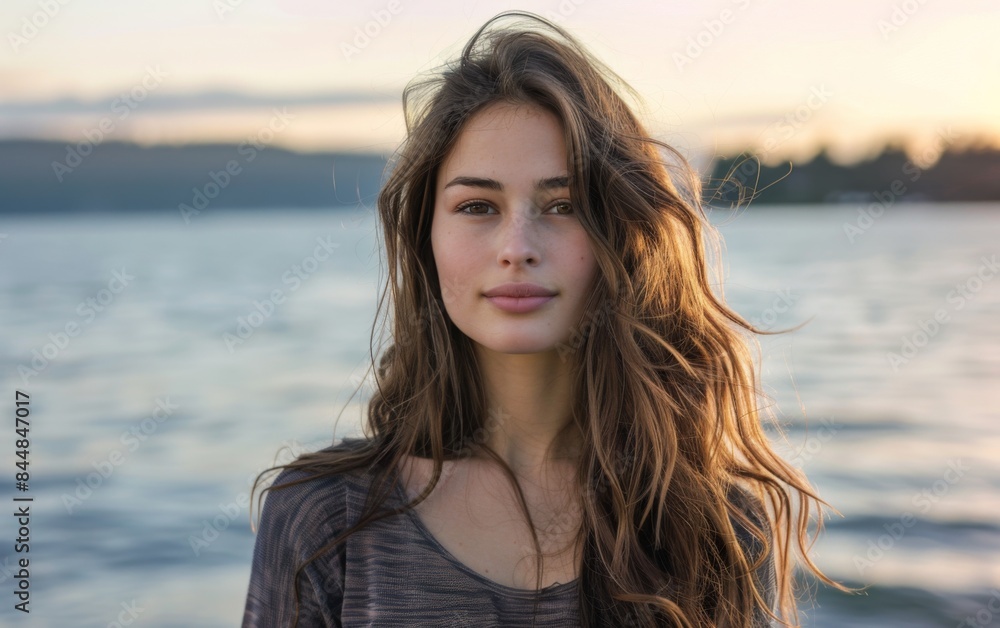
<point x="565" y="430"/>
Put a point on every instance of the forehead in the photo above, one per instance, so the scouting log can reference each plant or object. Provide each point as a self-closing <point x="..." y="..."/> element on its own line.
<point x="507" y="138"/>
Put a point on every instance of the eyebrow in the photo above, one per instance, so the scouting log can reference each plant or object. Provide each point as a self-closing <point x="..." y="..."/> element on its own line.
<point x="551" y="183"/>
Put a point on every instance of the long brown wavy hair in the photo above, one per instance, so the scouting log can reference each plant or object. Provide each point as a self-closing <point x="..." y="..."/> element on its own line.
<point x="666" y="396"/>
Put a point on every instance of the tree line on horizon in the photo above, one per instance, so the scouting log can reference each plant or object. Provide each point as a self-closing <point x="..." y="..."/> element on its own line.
<point x="46" y="176"/>
<point x="967" y="174"/>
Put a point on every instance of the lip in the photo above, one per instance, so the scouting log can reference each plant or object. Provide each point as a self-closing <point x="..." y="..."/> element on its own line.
<point x="519" y="298"/>
<point x="520" y="305"/>
<point x="519" y="291"/>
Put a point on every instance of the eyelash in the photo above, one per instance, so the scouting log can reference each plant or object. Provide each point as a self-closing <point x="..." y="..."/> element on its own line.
<point x="461" y="208"/>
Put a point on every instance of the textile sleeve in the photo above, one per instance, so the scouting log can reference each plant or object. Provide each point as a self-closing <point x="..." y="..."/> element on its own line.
<point x="295" y="521"/>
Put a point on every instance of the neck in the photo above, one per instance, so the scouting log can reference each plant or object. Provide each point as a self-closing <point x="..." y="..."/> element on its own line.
<point x="529" y="405"/>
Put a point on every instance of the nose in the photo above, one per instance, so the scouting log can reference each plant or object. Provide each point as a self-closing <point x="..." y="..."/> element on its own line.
<point x="519" y="240"/>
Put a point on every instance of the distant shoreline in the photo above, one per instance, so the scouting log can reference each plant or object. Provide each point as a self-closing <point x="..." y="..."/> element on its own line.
<point x="54" y="177"/>
<point x="43" y="177"/>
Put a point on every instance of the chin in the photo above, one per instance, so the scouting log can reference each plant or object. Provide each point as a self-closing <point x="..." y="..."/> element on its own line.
<point x="520" y="346"/>
<point x="520" y="350"/>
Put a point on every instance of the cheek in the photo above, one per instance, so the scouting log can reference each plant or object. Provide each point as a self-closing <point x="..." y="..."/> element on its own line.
<point x="584" y="262"/>
<point x="456" y="260"/>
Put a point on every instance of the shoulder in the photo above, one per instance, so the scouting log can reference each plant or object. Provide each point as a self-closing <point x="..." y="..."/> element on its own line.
<point x="753" y="508"/>
<point x="303" y="508"/>
<point x="299" y="512"/>
<point x="302" y="512"/>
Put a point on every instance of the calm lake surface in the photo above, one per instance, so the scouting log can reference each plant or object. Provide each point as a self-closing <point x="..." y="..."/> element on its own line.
<point x="148" y="427"/>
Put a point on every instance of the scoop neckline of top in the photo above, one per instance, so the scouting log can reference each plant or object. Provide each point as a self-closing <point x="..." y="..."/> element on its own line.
<point x="556" y="588"/>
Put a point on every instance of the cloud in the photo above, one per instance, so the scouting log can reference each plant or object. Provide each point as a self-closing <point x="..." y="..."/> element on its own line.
<point x="199" y="101"/>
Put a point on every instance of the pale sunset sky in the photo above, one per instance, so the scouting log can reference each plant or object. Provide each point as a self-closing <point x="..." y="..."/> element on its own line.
<point x="715" y="76"/>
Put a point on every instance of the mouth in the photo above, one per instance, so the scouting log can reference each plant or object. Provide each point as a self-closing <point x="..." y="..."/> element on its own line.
<point x="520" y="305"/>
<point x="519" y="291"/>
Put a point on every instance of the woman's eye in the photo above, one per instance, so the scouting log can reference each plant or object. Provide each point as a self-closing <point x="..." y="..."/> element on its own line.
<point x="479" y="208"/>
<point x="464" y="207"/>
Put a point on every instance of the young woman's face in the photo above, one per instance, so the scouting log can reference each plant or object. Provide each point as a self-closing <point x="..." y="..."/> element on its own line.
<point x="503" y="215"/>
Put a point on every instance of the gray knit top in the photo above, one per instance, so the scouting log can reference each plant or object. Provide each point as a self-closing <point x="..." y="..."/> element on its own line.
<point x="392" y="572"/>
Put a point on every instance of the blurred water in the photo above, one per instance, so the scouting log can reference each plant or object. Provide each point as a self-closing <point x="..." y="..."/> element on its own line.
<point x="877" y="438"/>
